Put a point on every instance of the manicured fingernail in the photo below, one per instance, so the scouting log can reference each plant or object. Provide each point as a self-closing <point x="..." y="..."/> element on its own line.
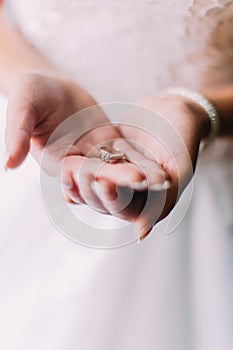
<point x="6" y="158"/>
<point x="160" y="187"/>
<point x="140" y="185"/>
<point x="143" y="235"/>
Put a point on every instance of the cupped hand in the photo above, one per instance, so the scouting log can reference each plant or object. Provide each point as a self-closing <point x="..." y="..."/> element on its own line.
<point x="38" y="104"/>
<point x="161" y="156"/>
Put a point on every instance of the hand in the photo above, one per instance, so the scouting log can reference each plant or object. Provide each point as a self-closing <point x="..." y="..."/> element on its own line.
<point x="37" y="105"/>
<point x="163" y="153"/>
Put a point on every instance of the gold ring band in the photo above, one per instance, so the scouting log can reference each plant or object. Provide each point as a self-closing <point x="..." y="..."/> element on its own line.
<point x="110" y="155"/>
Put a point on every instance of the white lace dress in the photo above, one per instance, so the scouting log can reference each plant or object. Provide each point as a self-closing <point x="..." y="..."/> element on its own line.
<point x="173" y="291"/>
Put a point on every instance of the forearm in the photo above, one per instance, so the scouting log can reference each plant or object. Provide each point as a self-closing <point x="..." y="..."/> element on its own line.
<point x="18" y="56"/>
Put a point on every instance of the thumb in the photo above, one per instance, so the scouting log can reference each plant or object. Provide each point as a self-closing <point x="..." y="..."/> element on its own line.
<point x="20" y="124"/>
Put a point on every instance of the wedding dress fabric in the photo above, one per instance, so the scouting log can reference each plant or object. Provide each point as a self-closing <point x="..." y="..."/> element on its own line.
<point x="172" y="291"/>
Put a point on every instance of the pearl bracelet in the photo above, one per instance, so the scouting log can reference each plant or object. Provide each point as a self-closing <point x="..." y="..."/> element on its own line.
<point x="202" y="101"/>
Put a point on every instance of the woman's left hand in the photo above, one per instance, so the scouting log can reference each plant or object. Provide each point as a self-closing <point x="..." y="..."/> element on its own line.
<point x="161" y="159"/>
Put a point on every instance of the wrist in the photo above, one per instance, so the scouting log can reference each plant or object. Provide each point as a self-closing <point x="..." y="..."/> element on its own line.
<point x="201" y="117"/>
<point x="195" y="115"/>
<point x="205" y="110"/>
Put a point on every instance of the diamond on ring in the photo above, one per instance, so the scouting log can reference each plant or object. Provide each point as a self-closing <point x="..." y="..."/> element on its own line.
<point x="110" y="155"/>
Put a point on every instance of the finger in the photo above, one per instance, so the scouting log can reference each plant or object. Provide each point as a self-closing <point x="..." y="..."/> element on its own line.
<point x="159" y="201"/>
<point x="155" y="175"/>
<point x="72" y="193"/>
<point x="70" y="188"/>
<point x="85" y="171"/>
<point x="128" y="205"/>
<point x="138" y="207"/>
<point x="77" y="176"/>
<point x="120" y="173"/>
<point x="68" y="199"/>
<point x="158" y="205"/>
<point x="119" y="201"/>
<point x="20" y="124"/>
<point x="149" y="215"/>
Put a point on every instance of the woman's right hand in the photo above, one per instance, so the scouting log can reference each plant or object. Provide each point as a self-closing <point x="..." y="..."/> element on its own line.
<point x="38" y="104"/>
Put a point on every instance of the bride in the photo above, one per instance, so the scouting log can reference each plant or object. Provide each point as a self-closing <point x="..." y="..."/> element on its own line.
<point x="170" y="291"/>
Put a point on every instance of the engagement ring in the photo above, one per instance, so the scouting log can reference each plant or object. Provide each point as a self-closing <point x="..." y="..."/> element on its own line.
<point x="110" y="155"/>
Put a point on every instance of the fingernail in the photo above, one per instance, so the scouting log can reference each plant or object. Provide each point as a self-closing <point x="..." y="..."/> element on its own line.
<point x="143" y="233"/>
<point x="160" y="187"/>
<point x="6" y="158"/>
<point x="143" y="185"/>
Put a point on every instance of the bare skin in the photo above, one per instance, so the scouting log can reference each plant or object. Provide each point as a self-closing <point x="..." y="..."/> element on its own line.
<point x="41" y="98"/>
